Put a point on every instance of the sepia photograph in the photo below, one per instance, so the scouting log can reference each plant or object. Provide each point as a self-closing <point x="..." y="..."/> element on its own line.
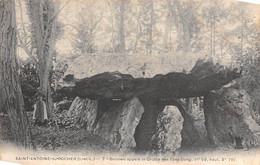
<point x="129" y="82"/>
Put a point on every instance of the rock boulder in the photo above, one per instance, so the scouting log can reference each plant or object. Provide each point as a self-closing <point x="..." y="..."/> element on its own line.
<point x="167" y="138"/>
<point x="119" y="123"/>
<point x="83" y="112"/>
<point x="228" y="119"/>
<point x="256" y="97"/>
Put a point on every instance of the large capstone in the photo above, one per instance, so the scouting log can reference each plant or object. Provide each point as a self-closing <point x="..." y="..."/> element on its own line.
<point x="228" y="119"/>
<point x="83" y="112"/>
<point x="118" y="124"/>
<point x="167" y="138"/>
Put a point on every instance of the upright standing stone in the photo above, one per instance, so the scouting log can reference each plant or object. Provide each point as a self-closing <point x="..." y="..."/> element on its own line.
<point x="168" y="139"/>
<point x="83" y="112"/>
<point x="119" y="123"/>
<point x="228" y="119"/>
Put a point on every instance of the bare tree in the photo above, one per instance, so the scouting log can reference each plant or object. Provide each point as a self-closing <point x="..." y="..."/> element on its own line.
<point x="167" y="31"/>
<point x="10" y="90"/>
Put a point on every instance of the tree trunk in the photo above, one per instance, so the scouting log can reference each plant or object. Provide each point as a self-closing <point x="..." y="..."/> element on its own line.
<point x="11" y="93"/>
<point x="122" y="27"/>
<point x="44" y="75"/>
<point x="189" y="102"/>
<point x="211" y="33"/>
<point x="166" y="31"/>
<point x="214" y="38"/>
<point x="150" y="40"/>
<point x="181" y="21"/>
<point x="242" y="37"/>
<point x="175" y="20"/>
<point x="139" y="34"/>
<point x="186" y="36"/>
<point x="43" y="16"/>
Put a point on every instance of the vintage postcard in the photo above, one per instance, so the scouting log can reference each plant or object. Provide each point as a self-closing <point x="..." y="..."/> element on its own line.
<point x="129" y="82"/>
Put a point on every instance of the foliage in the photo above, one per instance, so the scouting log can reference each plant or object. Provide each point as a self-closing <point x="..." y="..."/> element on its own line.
<point x="84" y="40"/>
<point x="29" y="84"/>
<point x="250" y="79"/>
<point x="86" y="29"/>
<point x="30" y="81"/>
<point x="53" y="138"/>
<point x="61" y="134"/>
<point x="62" y="120"/>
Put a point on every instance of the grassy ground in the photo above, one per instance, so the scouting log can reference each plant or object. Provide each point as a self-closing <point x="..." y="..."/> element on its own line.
<point x="53" y="138"/>
<point x="5" y="132"/>
<point x="74" y="139"/>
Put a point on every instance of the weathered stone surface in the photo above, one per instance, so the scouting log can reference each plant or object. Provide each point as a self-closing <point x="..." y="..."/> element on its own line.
<point x="119" y="123"/>
<point x="148" y="123"/>
<point x="174" y="85"/>
<point x="68" y="80"/>
<point x="228" y="119"/>
<point x="168" y="135"/>
<point x="199" y="123"/>
<point x="84" y="112"/>
<point x="132" y="63"/>
<point x="256" y="97"/>
<point x="189" y="133"/>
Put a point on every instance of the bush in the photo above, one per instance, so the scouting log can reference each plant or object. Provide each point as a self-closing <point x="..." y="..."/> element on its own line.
<point x="29" y="84"/>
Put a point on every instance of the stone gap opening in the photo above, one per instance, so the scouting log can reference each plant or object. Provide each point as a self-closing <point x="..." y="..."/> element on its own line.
<point x="193" y="133"/>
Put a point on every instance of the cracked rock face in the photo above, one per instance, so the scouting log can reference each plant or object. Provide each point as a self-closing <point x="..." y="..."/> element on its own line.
<point x="167" y="138"/>
<point x="119" y="123"/>
<point x="84" y="112"/>
<point x="256" y="97"/>
<point x="228" y="119"/>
